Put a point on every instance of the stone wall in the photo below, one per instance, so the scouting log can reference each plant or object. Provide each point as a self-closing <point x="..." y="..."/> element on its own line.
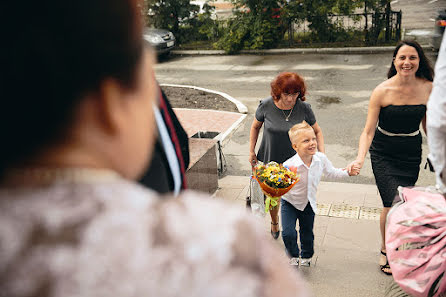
<point x="202" y="174"/>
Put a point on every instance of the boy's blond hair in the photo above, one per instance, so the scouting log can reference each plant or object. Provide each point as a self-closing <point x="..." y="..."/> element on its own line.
<point x="297" y="129"/>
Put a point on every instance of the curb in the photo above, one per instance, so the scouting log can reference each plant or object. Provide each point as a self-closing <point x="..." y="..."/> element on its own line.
<point x="334" y="50"/>
<point x="240" y="106"/>
<point x="225" y="135"/>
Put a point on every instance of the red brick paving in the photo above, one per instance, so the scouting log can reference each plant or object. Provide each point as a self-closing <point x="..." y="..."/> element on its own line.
<point x="194" y="120"/>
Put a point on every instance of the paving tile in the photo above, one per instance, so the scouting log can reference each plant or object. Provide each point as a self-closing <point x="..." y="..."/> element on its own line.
<point x="329" y="196"/>
<point x="346" y="187"/>
<point x="344" y="269"/>
<point x="372" y="200"/>
<point x="243" y="193"/>
<point x="319" y="235"/>
<point x="234" y="181"/>
<point x="344" y="211"/>
<point x="340" y="197"/>
<point x="322" y="221"/>
<point x="227" y="194"/>
<point x="354" y="234"/>
<point x="323" y="209"/>
<point x="370" y="213"/>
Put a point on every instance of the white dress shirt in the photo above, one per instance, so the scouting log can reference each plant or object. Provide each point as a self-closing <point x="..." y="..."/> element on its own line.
<point x="169" y="150"/>
<point x="305" y="189"/>
<point x="436" y="119"/>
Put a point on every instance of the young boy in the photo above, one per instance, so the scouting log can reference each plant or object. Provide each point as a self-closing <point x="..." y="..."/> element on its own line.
<point x="300" y="202"/>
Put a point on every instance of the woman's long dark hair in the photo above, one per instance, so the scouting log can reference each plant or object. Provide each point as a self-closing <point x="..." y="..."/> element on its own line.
<point x="425" y="69"/>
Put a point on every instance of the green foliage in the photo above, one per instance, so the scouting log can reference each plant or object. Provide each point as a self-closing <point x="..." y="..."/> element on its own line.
<point x="262" y="24"/>
<point x="256" y="24"/>
<point x="168" y="14"/>
<point x="202" y="27"/>
<point x="319" y="12"/>
<point x="326" y="28"/>
<point x="183" y="19"/>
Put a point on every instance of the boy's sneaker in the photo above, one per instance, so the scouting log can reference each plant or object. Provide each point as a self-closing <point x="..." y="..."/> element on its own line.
<point x="294" y="261"/>
<point x="305" y="262"/>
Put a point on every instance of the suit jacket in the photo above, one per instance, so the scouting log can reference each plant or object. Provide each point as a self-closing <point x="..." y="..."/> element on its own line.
<point x="159" y="176"/>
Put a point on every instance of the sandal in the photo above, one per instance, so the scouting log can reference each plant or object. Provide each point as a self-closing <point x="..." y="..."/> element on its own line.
<point x="275" y="235"/>
<point x="385" y="268"/>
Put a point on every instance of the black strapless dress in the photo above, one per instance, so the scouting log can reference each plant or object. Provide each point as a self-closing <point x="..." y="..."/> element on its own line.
<point x="396" y="159"/>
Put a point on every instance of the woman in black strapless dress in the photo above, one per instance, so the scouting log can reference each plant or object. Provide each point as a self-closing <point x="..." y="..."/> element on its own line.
<point x="396" y="109"/>
<point x="396" y="159"/>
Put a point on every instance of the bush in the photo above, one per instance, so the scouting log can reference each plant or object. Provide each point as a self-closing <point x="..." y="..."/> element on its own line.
<point x="257" y="26"/>
<point x="183" y="19"/>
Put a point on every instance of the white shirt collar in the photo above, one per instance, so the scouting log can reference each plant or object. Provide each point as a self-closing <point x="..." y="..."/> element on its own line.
<point x="299" y="161"/>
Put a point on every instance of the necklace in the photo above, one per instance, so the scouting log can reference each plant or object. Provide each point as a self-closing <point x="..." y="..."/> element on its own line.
<point x="287" y="117"/>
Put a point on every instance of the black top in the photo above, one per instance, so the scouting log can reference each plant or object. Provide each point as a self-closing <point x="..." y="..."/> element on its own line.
<point x="404" y="149"/>
<point x="276" y="145"/>
<point x="401" y="118"/>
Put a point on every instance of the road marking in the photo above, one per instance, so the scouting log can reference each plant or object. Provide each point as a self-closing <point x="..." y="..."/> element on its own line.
<point x="257" y="68"/>
<point x="432" y="1"/>
<point x="331" y="66"/>
<point x="394" y="2"/>
<point x="354" y="94"/>
<point x="262" y="79"/>
<point x="229" y="67"/>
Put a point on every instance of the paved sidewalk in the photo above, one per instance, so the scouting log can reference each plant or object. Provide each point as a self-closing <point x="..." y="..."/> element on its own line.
<point x="347" y="238"/>
<point x="346" y="249"/>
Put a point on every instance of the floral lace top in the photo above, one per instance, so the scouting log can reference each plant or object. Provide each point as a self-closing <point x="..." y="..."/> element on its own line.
<point x="111" y="237"/>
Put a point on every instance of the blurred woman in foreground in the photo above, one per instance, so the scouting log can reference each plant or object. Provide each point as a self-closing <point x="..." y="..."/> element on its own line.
<point x="77" y="128"/>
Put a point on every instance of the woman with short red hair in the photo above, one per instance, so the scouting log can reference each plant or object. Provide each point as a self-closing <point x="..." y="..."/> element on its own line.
<point x="278" y="113"/>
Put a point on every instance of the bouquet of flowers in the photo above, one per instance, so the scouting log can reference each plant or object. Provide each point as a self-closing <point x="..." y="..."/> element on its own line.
<point x="275" y="180"/>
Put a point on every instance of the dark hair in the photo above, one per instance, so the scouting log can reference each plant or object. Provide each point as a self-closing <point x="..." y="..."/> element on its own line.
<point x="425" y="69"/>
<point x="288" y="82"/>
<point x="54" y="53"/>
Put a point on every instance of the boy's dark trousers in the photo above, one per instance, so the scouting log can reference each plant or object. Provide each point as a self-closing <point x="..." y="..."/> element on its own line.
<point x="290" y="215"/>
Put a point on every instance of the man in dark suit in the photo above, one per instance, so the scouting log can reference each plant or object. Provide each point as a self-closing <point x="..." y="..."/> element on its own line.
<point x="171" y="155"/>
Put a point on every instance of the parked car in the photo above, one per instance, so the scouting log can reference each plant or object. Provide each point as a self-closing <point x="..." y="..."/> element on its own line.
<point x="161" y="40"/>
<point x="440" y="24"/>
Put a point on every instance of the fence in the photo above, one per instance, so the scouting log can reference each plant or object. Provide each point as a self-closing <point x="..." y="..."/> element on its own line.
<point x="367" y="27"/>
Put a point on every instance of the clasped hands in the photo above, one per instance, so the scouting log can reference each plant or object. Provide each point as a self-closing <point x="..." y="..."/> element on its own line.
<point x="354" y="168"/>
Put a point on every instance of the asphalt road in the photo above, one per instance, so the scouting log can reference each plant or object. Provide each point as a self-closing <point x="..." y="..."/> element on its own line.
<point x="339" y="87"/>
<point x="418" y="14"/>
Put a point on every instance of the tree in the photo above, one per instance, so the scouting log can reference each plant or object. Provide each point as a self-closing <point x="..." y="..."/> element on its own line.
<point x="255" y="24"/>
<point x="381" y="19"/>
<point x="168" y="14"/>
<point x="319" y="12"/>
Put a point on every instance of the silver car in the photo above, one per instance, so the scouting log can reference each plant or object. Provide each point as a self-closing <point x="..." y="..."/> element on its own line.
<point x="161" y="40"/>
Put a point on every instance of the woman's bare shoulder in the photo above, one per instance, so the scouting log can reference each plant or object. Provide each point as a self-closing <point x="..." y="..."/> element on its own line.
<point x="382" y="89"/>
<point x="426" y="86"/>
